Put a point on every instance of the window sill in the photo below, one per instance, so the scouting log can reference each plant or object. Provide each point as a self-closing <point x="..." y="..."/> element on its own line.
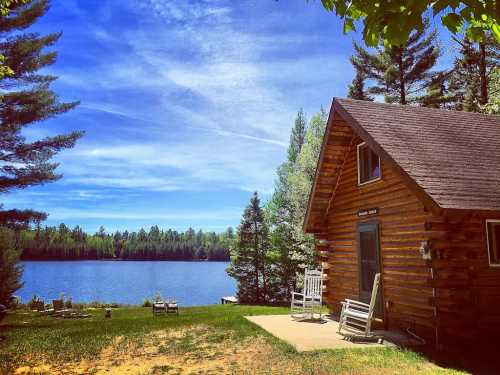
<point x="371" y="182"/>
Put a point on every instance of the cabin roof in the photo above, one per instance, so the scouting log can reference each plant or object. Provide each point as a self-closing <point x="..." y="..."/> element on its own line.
<point x="450" y="159"/>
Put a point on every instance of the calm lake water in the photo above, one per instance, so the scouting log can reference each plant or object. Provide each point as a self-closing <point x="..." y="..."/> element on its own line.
<point x="191" y="283"/>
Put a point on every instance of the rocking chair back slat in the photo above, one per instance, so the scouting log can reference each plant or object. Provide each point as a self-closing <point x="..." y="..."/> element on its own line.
<point x="310" y="300"/>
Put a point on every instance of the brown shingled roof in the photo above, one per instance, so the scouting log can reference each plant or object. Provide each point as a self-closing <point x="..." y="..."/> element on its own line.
<point x="452" y="157"/>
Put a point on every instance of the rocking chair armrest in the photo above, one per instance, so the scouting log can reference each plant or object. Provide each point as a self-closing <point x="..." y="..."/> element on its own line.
<point x="297" y="293"/>
<point x="356" y="303"/>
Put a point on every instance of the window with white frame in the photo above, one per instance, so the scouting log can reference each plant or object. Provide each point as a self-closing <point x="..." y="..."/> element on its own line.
<point x="368" y="165"/>
<point x="493" y="241"/>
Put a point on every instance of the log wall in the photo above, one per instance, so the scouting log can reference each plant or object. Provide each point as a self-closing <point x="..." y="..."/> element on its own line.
<point x="401" y="218"/>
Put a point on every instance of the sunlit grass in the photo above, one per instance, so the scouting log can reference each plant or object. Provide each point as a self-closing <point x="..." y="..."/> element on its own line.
<point x="31" y="339"/>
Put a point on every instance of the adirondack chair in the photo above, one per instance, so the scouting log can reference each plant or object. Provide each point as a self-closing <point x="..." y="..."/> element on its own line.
<point x="356" y="316"/>
<point x="310" y="301"/>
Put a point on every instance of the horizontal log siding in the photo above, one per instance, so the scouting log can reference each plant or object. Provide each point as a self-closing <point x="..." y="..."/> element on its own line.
<point x="468" y="289"/>
<point x="402" y="217"/>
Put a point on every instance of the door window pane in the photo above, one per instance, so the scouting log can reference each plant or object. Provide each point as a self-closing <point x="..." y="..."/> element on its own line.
<point x="368" y="258"/>
<point x="493" y="228"/>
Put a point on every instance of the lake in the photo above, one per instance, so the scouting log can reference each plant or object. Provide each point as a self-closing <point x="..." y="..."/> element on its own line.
<point x="128" y="282"/>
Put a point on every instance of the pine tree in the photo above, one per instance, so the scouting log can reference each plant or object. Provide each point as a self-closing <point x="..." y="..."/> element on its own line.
<point x="27" y="99"/>
<point x="357" y="87"/>
<point x="400" y="73"/>
<point x="249" y="260"/>
<point x="471" y="74"/>
<point x="438" y="94"/>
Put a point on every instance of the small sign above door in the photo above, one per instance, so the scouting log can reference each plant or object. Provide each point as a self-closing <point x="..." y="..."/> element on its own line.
<point x="368" y="212"/>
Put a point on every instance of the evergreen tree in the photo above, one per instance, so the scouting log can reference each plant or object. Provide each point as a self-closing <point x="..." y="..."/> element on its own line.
<point x="10" y="270"/>
<point x="400" y="73"/>
<point x="26" y="99"/>
<point x="291" y="249"/>
<point x="357" y="87"/>
<point x="493" y="105"/>
<point x="297" y="137"/>
<point x="472" y="69"/>
<point x="438" y="94"/>
<point x="249" y="261"/>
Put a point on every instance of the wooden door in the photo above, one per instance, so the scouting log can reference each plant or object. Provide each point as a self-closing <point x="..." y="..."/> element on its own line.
<point x="369" y="264"/>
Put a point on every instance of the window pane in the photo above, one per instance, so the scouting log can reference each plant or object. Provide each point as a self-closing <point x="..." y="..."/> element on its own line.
<point x="368" y="164"/>
<point x="375" y="166"/>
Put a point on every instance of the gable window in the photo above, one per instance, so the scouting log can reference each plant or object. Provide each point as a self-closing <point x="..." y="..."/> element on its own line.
<point x="493" y="240"/>
<point x="368" y="165"/>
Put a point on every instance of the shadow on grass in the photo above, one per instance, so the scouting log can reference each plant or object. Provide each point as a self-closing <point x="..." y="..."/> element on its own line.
<point x="477" y="358"/>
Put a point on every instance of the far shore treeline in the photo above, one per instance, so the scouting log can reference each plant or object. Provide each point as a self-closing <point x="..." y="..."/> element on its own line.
<point x="63" y="243"/>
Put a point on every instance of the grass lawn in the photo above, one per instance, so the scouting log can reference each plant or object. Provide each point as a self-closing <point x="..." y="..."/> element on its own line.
<point x="201" y="340"/>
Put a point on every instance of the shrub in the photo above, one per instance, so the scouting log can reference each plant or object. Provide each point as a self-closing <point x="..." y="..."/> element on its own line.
<point x="147" y="303"/>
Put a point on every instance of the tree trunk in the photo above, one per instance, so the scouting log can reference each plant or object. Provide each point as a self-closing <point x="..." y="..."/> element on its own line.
<point x="483" y="79"/>
<point x="256" y="263"/>
<point x="402" y="88"/>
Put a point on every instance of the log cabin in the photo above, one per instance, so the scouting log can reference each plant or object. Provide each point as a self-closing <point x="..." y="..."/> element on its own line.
<point x="412" y="193"/>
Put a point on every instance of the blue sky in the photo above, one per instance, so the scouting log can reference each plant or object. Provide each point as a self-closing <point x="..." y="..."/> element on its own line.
<point x="187" y="106"/>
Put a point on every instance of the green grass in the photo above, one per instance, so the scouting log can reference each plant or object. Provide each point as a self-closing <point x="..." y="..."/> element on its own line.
<point x="30" y="339"/>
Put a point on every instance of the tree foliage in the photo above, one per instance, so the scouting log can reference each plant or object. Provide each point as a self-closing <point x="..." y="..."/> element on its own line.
<point x="27" y="99"/>
<point x="400" y="73"/>
<point x="63" y="243"/>
<point x="392" y="22"/>
<point x="493" y="105"/>
<point x="292" y="250"/>
<point x="10" y="270"/>
<point x="250" y="262"/>
<point x="357" y="89"/>
<point x="472" y="69"/>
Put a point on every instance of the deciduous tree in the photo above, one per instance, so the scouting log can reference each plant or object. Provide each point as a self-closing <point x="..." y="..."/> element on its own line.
<point x="392" y="22"/>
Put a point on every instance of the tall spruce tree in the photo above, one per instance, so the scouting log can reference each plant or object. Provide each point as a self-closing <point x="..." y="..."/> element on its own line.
<point x="26" y="99"/>
<point x="400" y="73"/>
<point x="250" y="264"/>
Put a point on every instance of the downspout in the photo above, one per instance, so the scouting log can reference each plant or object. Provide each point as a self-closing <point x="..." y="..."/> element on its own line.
<point x="434" y="295"/>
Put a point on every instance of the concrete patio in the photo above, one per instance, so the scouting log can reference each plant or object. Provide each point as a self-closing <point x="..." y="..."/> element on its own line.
<point x="308" y="335"/>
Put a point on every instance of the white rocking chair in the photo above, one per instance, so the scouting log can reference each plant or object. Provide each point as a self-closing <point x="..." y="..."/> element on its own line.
<point x="306" y="304"/>
<point x="356" y="317"/>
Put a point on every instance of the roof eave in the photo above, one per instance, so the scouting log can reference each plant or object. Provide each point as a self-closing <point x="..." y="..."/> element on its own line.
<point x="305" y="226"/>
